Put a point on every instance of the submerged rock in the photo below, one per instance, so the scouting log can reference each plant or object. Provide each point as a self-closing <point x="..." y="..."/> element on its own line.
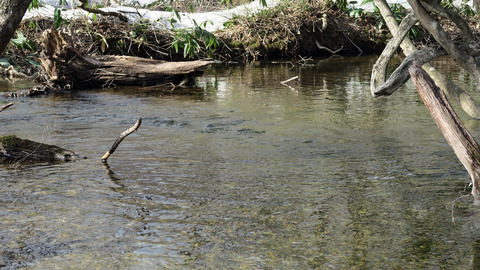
<point x="14" y="149"/>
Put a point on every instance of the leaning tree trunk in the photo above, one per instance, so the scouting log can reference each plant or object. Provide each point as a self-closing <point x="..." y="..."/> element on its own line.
<point x="11" y="14"/>
<point x="457" y="136"/>
<point x="461" y="57"/>
<point x="379" y="70"/>
<point x="468" y="104"/>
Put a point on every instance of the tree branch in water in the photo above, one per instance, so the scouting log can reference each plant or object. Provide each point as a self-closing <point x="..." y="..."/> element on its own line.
<point x="120" y="139"/>
<point x="6" y="106"/>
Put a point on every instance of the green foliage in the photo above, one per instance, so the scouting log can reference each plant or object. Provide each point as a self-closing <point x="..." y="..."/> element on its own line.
<point x="339" y="4"/>
<point x="57" y="18"/>
<point x="464" y="9"/>
<point x="191" y="40"/>
<point x="33" y="4"/>
<point x="399" y="12"/>
<point x="138" y="32"/>
<point x="356" y="12"/>
<point x="23" y="43"/>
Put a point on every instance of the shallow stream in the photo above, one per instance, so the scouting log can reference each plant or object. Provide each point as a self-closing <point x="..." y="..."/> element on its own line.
<point x="248" y="174"/>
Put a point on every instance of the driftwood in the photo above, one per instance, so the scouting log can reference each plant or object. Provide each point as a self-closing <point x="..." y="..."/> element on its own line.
<point x="11" y="73"/>
<point x="66" y="67"/>
<point x="16" y="150"/>
<point x="120" y="139"/>
<point x="6" y="106"/>
<point x="457" y="136"/>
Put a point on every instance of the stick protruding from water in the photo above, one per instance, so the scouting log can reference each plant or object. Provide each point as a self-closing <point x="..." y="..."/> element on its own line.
<point x="6" y="106"/>
<point x="120" y="139"/>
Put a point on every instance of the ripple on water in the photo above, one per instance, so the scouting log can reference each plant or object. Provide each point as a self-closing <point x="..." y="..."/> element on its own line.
<point x="252" y="175"/>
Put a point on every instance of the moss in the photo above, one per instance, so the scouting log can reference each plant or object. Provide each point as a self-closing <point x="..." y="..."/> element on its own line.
<point x="9" y="141"/>
<point x="13" y="149"/>
<point x="235" y="44"/>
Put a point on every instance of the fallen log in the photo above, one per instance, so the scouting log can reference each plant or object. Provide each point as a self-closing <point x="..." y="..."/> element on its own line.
<point x="66" y="67"/>
<point x="455" y="133"/>
<point x="16" y="150"/>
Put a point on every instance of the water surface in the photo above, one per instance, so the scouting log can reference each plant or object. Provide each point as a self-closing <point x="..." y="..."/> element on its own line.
<point x="248" y="174"/>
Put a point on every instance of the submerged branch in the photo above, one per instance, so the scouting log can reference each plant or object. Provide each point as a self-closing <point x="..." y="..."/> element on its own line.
<point x="291" y="79"/>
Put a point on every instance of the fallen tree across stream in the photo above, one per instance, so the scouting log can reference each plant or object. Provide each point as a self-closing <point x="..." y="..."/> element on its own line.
<point x="67" y="68"/>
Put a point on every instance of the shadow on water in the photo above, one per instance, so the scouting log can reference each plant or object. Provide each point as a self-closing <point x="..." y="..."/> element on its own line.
<point x="249" y="174"/>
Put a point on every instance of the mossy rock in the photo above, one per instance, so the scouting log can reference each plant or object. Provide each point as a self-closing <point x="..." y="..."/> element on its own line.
<point x="14" y="149"/>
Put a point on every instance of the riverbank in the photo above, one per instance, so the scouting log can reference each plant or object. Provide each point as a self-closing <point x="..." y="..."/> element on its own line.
<point x="280" y="31"/>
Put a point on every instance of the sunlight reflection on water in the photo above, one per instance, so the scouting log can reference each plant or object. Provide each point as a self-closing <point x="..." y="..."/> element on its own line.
<point x="248" y="174"/>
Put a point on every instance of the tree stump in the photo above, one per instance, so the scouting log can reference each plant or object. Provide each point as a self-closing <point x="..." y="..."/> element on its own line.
<point x="455" y="133"/>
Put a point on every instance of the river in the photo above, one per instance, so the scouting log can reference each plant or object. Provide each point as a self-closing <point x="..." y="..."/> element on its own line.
<point x="246" y="174"/>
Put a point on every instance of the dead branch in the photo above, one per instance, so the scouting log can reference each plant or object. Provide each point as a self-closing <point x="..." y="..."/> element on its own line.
<point x="379" y="70"/>
<point x="468" y="104"/>
<point x="327" y="49"/>
<point x="6" y="106"/>
<point x="465" y="60"/>
<point x="401" y="75"/>
<point x="120" y="139"/>
<point x="291" y="79"/>
<point x="455" y="133"/>
<point x="101" y="12"/>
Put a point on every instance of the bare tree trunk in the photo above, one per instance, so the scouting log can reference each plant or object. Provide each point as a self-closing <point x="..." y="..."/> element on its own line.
<point x="435" y="6"/>
<point x="476" y="4"/>
<point x="379" y="70"/>
<point x="468" y="104"/>
<point x="401" y="75"/>
<point x="457" y="136"/>
<point x="461" y="57"/>
<point x="11" y="14"/>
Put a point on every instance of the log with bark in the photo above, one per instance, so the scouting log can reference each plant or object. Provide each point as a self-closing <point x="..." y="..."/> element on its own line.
<point x="16" y="150"/>
<point x="66" y="67"/>
<point x="455" y="133"/>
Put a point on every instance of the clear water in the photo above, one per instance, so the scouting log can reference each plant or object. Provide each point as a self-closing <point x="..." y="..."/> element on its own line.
<point x="248" y="174"/>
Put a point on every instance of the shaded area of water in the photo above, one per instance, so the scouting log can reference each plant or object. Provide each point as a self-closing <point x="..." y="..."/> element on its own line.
<point x="250" y="174"/>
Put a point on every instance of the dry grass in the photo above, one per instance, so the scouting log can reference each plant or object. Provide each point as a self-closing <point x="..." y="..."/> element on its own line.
<point x="294" y="28"/>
